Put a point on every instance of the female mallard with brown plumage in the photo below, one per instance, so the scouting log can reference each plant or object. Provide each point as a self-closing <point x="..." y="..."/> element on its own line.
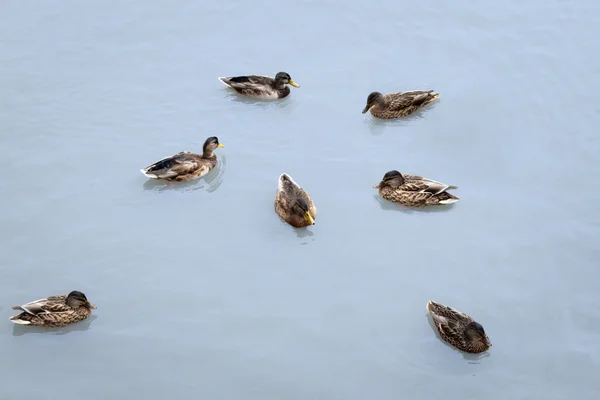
<point x="397" y="105"/>
<point x="293" y="204"/>
<point x="55" y="311"/>
<point x="262" y="87"/>
<point x="414" y="191"/>
<point x="458" y="329"/>
<point x="185" y="166"/>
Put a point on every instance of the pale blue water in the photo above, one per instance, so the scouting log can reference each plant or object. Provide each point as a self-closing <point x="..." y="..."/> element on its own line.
<point x="202" y="292"/>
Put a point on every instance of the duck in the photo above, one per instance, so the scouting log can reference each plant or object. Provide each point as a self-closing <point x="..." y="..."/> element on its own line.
<point x="398" y="105"/>
<point x="414" y="191"/>
<point x="458" y="329"/>
<point x="261" y="87"/>
<point x="185" y="166"/>
<point x="54" y="311"/>
<point x="293" y="204"/>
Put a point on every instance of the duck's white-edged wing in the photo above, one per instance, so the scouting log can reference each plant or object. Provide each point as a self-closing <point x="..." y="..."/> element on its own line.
<point x="165" y="172"/>
<point x="252" y="79"/>
<point x="33" y="307"/>
<point x="434" y="187"/>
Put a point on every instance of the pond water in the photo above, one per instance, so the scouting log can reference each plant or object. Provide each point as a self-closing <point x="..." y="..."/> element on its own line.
<point x="203" y="292"/>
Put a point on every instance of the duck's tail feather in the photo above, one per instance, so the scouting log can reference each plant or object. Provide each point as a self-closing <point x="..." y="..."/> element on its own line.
<point x="17" y="320"/>
<point x="225" y="80"/>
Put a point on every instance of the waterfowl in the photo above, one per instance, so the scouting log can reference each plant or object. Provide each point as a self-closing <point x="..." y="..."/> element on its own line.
<point x="262" y="87"/>
<point x="185" y="166"/>
<point x="293" y="204"/>
<point x="414" y="191"/>
<point x="397" y="105"/>
<point x="54" y="311"/>
<point x="458" y="329"/>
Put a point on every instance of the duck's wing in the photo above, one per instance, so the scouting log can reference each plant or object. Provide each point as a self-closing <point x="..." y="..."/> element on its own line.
<point x="44" y="306"/>
<point x="422" y="184"/>
<point x="248" y="82"/>
<point x="402" y="100"/>
<point x="179" y="164"/>
<point x="447" y="315"/>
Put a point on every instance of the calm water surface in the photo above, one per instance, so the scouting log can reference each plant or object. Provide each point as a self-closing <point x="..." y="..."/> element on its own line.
<point x="203" y="292"/>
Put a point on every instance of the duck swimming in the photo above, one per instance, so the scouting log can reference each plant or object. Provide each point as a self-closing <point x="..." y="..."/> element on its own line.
<point x="398" y="105"/>
<point x="293" y="204"/>
<point x="458" y="329"/>
<point x="54" y="311"/>
<point x="414" y="191"/>
<point x="185" y="166"/>
<point x="261" y="87"/>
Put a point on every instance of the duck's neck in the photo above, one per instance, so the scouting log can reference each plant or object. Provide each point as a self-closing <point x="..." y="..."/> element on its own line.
<point x="279" y="85"/>
<point x="207" y="154"/>
<point x="284" y="91"/>
<point x="379" y="104"/>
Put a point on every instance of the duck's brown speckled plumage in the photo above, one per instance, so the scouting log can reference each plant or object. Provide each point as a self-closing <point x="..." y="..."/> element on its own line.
<point x="292" y="203"/>
<point x="458" y="329"/>
<point x="185" y="166"/>
<point x="54" y="311"/>
<point x="414" y="191"/>
<point x="397" y="105"/>
<point x="263" y="87"/>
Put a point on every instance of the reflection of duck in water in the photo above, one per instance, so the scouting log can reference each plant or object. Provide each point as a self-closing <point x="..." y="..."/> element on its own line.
<point x="54" y="311"/>
<point x="185" y="166"/>
<point x="414" y="191"/>
<point x="262" y="87"/>
<point x="293" y="204"/>
<point x="458" y="329"/>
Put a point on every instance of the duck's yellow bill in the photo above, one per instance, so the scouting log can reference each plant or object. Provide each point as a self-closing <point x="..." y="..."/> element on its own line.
<point x="294" y="84"/>
<point x="220" y="145"/>
<point x="376" y="186"/>
<point x="309" y="218"/>
<point x="93" y="307"/>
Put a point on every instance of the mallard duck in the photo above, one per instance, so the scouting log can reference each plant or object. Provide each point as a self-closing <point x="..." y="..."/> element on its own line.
<point x="397" y="105"/>
<point x="263" y="87"/>
<point x="414" y="191"/>
<point x="185" y="166"/>
<point x="54" y="311"/>
<point x="293" y="204"/>
<point x="458" y="329"/>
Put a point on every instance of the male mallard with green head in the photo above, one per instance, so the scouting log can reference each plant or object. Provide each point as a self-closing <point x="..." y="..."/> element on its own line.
<point x="185" y="166"/>
<point x="54" y="311"/>
<point x="458" y="329"/>
<point x="397" y="105"/>
<point x="414" y="191"/>
<point x="293" y="204"/>
<point x="262" y="87"/>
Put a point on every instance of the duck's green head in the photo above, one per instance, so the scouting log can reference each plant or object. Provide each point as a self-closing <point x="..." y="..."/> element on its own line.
<point x="77" y="299"/>
<point x="475" y="332"/>
<point x="373" y="99"/>
<point x="392" y="178"/>
<point x="285" y="78"/>
<point x="300" y="207"/>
